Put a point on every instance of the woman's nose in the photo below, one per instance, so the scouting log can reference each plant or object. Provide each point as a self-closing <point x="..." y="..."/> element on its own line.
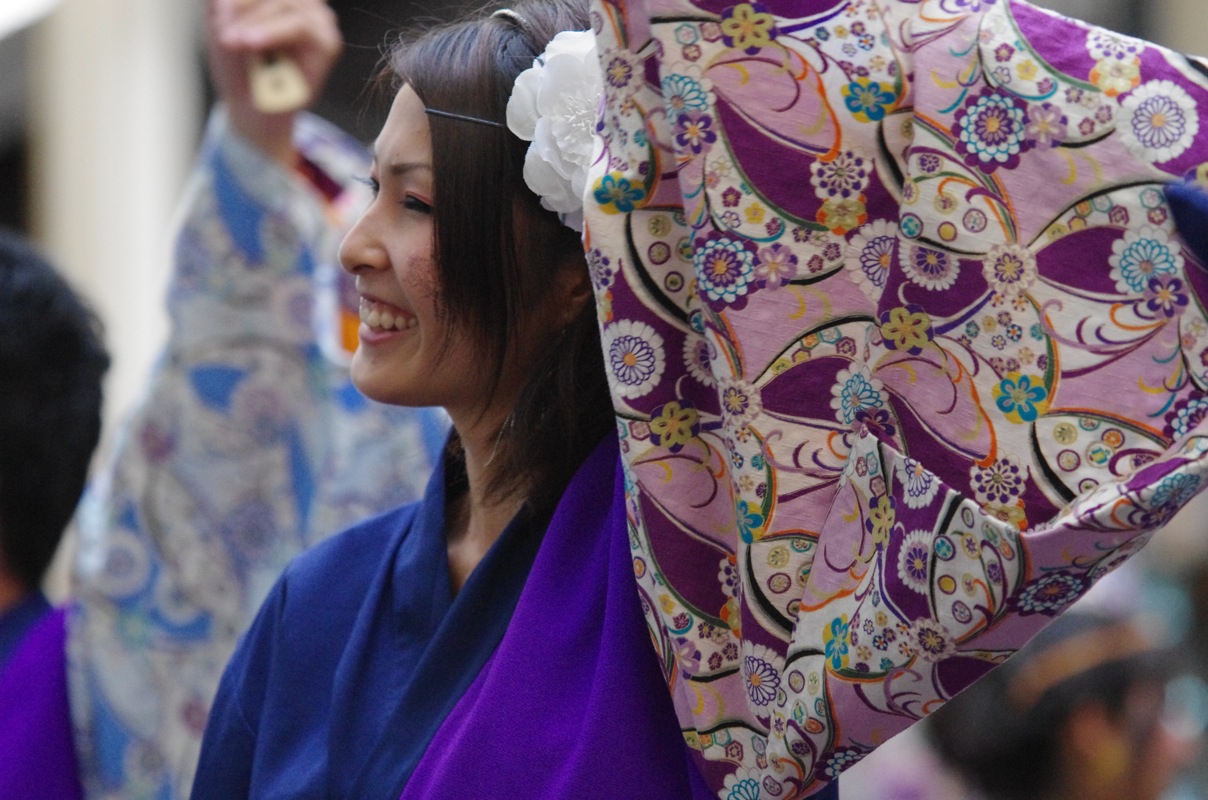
<point x="358" y="251"/>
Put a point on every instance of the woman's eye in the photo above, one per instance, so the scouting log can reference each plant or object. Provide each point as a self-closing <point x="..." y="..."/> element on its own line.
<point x="413" y="203"/>
<point x="371" y="182"/>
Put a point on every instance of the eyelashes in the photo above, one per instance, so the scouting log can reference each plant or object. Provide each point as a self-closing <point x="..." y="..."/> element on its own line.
<point x="370" y="181"/>
<point x="413" y="203"/>
<point x="409" y="202"/>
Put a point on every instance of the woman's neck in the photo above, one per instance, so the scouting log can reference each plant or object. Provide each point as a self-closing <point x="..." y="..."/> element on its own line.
<point x="476" y="517"/>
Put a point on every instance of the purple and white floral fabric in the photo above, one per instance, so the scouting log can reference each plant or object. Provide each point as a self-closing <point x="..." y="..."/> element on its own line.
<point x="905" y="347"/>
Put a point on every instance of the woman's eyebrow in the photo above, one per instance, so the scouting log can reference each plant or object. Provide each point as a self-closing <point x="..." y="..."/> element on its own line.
<point x="400" y="168"/>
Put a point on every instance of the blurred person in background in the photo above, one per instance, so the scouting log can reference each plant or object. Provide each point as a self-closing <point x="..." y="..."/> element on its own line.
<point x="250" y="443"/>
<point x="52" y="361"/>
<point x="1081" y="712"/>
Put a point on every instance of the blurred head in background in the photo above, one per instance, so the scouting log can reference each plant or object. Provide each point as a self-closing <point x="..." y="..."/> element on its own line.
<point x="1085" y="711"/>
<point x="52" y="361"/>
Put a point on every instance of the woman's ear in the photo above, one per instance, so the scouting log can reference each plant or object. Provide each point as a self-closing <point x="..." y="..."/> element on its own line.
<point x="573" y="289"/>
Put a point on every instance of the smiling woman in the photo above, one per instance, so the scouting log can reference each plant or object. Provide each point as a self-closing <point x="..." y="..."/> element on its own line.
<point x="886" y="394"/>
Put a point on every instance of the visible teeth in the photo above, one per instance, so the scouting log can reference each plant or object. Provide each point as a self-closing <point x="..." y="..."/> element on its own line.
<point x="384" y="319"/>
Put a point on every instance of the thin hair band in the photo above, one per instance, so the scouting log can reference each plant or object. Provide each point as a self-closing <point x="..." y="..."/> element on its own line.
<point x="509" y="14"/>
<point x="436" y="112"/>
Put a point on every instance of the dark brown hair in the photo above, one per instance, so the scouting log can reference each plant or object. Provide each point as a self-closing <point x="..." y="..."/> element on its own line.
<point x="498" y="252"/>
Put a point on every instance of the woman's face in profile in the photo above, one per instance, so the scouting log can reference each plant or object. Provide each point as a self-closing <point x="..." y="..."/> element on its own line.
<point x="405" y="355"/>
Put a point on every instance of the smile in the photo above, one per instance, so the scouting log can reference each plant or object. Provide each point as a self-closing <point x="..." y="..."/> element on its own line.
<point x="381" y="317"/>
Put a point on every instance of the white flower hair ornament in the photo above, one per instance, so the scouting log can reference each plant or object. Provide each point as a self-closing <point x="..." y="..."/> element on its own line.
<point x="554" y="105"/>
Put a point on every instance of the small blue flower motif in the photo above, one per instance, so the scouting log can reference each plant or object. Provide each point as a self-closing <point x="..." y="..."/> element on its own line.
<point x="836" y="642"/>
<point x="725" y="266"/>
<point x="682" y="93"/>
<point x="750" y="522"/>
<point x="867" y="100"/>
<point x="911" y="226"/>
<point x="1049" y="595"/>
<point x="1175" y="490"/>
<point x="1018" y="396"/>
<point x="616" y="195"/>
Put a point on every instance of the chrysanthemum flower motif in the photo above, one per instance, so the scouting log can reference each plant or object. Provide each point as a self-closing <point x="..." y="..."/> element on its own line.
<point x="761" y="669"/>
<point x="1175" y="490"/>
<point x="845" y="175"/>
<point x="1106" y="44"/>
<point x="1010" y="270"/>
<point x="931" y="640"/>
<point x="1000" y="483"/>
<point x="725" y="266"/>
<point x="1186" y="416"/>
<point x="1160" y="121"/>
<point x="853" y="390"/>
<point x="622" y="74"/>
<point x="554" y="105"/>
<point x="1142" y="255"/>
<point x="914" y="560"/>
<point x="930" y="268"/>
<point x="740" y="403"/>
<point x="1050" y="594"/>
<point x="743" y="784"/>
<point x="684" y="93"/>
<point x="870" y="256"/>
<point x="991" y="130"/>
<point x="635" y="357"/>
<point x="699" y="353"/>
<point x="920" y="486"/>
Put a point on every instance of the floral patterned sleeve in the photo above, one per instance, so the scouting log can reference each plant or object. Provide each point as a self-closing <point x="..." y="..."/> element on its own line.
<point x="249" y="445"/>
<point x="905" y="347"/>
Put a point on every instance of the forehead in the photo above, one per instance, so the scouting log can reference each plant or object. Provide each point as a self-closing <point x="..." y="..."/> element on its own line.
<point x="405" y="136"/>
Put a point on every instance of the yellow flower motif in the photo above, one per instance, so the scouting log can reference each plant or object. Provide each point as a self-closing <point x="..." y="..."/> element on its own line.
<point x="843" y="214"/>
<point x="1114" y="76"/>
<point x="906" y="330"/>
<point x="1027" y="70"/>
<point x="747" y="28"/>
<point x="1012" y="515"/>
<point x="675" y="427"/>
<point x="881" y="515"/>
<point x="755" y="213"/>
<point x="667" y="604"/>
